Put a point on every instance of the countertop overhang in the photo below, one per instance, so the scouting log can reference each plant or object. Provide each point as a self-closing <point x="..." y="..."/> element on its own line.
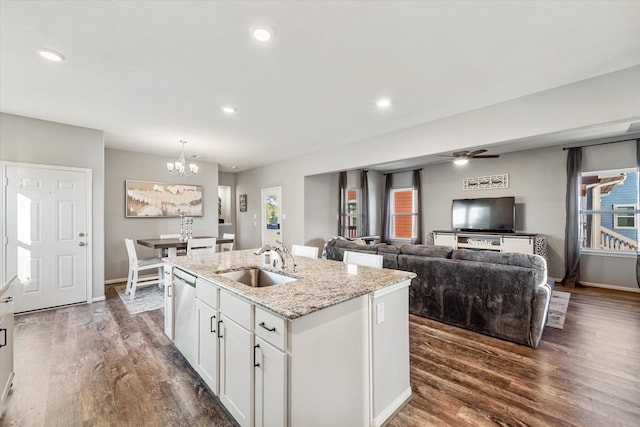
<point x="320" y="283"/>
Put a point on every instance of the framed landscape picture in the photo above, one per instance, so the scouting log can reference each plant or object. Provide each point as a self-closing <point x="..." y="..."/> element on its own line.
<point x="157" y="199"/>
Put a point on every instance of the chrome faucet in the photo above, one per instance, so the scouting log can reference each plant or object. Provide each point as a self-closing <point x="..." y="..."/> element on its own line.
<point x="283" y="251"/>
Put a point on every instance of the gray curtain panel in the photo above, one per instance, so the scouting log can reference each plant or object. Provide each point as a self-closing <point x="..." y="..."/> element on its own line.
<point x="364" y="188"/>
<point x="417" y="187"/>
<point x="342" y="205"/>
<point x="386" y="210"/>
<point x="572" y="229"/>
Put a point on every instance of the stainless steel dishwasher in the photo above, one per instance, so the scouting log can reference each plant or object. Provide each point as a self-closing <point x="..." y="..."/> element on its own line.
<point x="186" y="334"/>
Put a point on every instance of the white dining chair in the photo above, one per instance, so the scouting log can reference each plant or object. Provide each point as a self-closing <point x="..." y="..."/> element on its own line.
<point x="304" y="251"/>
<point x="227" y="246"/>
<point x="136" y="265"/>
<point x="201" y="246"/>
<point x="360" y="258"/>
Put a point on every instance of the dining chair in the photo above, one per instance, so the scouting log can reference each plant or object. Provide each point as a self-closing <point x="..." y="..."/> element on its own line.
<point x="304" y="251"/>
<point x="201" y="246"/>
<point x="136" y="265"/>
<point x="227" y="246"/>
<point x="359" y="258"/>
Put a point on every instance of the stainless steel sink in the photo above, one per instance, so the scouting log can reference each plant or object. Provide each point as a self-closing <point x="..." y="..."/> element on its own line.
<point x="257" y="277"/>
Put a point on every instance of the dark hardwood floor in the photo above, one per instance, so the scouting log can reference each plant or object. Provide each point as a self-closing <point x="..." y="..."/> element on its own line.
<point x="98" y="365"/>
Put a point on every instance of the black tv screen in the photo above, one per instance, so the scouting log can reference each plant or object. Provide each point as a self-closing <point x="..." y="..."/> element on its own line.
<point x="488" y="214"/>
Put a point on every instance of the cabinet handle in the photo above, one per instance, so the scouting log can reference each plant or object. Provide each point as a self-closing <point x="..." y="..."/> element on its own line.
<point x="255" y="364"/>
<point x="5" y="337"/>
<point x="219" y="329"/>
<point x="211" y="323"/>
<point x="169" y="291"/>
<point x="262" y="325"/>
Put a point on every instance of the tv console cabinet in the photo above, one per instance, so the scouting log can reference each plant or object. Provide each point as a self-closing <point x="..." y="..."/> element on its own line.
<point x="500" y="242"/>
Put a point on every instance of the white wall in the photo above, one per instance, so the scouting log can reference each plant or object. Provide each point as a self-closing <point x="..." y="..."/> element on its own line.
<point x="123" y="165"/>
<point x="28" y="140"/>
<point x="229" y="179"/>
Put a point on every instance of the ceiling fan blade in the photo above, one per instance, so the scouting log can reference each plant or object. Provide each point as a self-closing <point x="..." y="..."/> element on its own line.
<point x="487" y="156"/>
<point x="474" y="153"/>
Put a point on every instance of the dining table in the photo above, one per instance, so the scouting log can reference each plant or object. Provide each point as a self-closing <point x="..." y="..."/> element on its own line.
<point x="170" y="246"/>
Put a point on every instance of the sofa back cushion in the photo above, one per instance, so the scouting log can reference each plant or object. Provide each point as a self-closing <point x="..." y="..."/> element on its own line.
<point x="426" y="250"/>
<point x="534" y="262"/>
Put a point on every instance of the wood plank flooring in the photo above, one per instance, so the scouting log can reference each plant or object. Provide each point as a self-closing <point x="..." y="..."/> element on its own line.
<point x="95" y="365"/>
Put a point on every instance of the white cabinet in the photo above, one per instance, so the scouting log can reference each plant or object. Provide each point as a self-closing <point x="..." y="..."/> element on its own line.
<point x="270" y="366"/>
<point x="500" y="242"/>
<point x="168" y="300"/>
<point x="208" y="344"/>
<point x="6" y="343"/>
<point x="236" y="370"/>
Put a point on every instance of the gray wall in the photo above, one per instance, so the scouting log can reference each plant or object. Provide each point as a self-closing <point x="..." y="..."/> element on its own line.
<point x="608" y="98"/>
<point x="123" y="165"/>
<point x="28" y="140"/>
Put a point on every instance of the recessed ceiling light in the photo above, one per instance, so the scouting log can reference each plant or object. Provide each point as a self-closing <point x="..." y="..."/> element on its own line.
<point x="262" y="34"/>
<point x="234" y="167"/>
<point x="51" y="55"/>
<point x="228" y="109"/>
<point x="383" y="103"/>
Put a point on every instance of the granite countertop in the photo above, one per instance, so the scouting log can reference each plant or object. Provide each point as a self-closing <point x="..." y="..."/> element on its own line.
<point x="320" y="283"/>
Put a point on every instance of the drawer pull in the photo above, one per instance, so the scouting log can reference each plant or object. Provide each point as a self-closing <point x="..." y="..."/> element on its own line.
<point x="255" y="364"/>
<point x="5" y="337"/>
<point x="211" y="328"/>
<point x="262" y="325"/>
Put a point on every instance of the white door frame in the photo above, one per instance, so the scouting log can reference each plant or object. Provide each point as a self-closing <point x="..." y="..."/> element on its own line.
<point x="89" y="238"/>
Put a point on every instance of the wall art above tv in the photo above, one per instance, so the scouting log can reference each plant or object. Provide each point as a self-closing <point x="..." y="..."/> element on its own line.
<point x="489" y="182"/>
<point x="157" y="199"/>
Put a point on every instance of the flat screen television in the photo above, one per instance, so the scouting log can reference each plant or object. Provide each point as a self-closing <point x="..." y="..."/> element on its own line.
<point x="486" y="214"/>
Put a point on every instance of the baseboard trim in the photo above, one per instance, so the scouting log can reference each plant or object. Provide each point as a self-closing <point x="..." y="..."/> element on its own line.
<point x="392" y="408"/>
<point x="98" y="299"/>
<point x="614" y="287"/>
<point x="124" y="279"/>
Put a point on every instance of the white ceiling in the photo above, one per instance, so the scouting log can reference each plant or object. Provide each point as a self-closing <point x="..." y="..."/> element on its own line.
<point x="150" y="73"/>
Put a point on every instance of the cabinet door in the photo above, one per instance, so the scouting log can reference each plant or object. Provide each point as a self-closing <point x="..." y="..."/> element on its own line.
<point x="445" y="240"/>
<point x="270" y="385"/>
<point x="518" y="244"/>
<point x="208" y="345"/>
<point x="6" y="356"/>
<point x="236" y="370"/>
<point x="168" y="301"/>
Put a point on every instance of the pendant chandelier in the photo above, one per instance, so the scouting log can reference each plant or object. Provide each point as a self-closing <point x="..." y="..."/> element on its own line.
<point x="179" y="167"/>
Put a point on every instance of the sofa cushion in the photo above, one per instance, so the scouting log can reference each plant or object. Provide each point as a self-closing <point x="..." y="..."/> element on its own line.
<point x="426" y="250"/>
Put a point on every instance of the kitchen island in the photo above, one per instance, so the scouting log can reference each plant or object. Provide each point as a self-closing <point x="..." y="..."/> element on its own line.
<point x="326" y="348"/>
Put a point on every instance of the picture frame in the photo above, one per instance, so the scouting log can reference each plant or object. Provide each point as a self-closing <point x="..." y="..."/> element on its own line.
<point x="243" y="202"/>
<point x="151" y="199"/>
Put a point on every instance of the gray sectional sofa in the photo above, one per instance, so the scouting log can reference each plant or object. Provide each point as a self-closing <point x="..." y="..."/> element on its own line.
<point x="504" y="295"/>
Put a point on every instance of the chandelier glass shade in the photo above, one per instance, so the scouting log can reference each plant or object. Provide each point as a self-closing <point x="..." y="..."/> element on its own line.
<point x="179" y="167"/>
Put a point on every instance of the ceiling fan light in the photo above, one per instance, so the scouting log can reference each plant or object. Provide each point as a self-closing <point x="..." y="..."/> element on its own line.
<point x="461" y="162"/>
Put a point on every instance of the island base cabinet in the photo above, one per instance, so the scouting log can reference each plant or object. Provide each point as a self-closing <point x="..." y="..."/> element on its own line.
<point x="6" y="353"/>
<point x="329" y="366"/>
<point x="208" y="345"/>
<point x="270" y="385"/>
<point x="236" y="370"/>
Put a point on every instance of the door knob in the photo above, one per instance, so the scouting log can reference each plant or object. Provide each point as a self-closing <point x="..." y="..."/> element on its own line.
<point x="81" y="234"/>
<point x="82" y="244"/>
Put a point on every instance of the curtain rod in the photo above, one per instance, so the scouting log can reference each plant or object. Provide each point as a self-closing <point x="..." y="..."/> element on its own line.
<point x="602" y="143"/>
<point x="402" y="171"/>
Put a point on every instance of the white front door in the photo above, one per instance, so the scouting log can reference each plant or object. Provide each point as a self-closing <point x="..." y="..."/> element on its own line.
<point x="47" y="211"/>
<point x="271" y="215"/>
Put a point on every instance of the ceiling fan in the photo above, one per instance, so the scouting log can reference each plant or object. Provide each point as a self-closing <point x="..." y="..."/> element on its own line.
<point x="462" y="157"/>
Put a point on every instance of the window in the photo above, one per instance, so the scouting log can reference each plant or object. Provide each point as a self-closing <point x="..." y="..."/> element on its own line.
<point x="404" y="213"/>
<point x="608" y="210"/>
<point x="352" y="199"/>
<point x="625" y="217"/>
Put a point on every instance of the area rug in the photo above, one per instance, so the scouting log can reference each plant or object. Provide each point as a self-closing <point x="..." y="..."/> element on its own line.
<point x="558" y="309"/>
<point x="147" y="298"/>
